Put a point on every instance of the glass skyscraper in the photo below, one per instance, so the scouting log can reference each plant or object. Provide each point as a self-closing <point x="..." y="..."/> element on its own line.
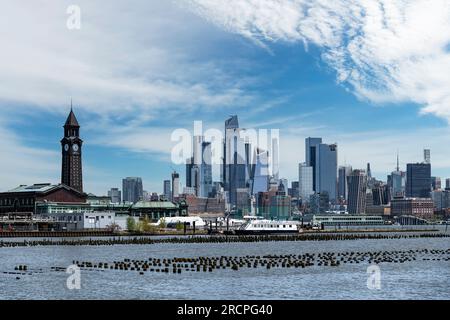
<point x="418" y="180"/>
<point x="323" y="158"/>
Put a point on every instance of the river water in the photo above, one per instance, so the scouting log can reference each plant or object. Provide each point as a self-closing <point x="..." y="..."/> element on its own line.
<point x="411" y="280"/>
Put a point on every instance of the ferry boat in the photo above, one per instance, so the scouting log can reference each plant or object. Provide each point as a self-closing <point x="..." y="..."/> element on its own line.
<point x="257" y="226"/>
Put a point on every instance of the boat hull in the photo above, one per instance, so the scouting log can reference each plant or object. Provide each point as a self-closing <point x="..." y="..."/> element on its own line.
<point x="257" y="232"/>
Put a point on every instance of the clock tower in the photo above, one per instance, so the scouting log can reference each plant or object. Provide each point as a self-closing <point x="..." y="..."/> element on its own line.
<point x="72" y="174"/>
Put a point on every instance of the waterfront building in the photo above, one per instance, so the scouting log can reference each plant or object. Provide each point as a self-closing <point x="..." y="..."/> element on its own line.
<point x="418" y="180"/>
<point x="204" y="206"/>
<point x="132" y="189"/>
<point x="78" y="221"/>
<point x="418" y="207"/>
<point x="71" y="172"/>
<point x="344" y="172"/>
<point x="23" y="199"/>
<point x="115" y="195"/>
<point x="156" y="210"/>
<point x="98" y="200"/>
<point x="357" y="189"/>
<point x="305" y="181"/>
<point x="347" y="220"/>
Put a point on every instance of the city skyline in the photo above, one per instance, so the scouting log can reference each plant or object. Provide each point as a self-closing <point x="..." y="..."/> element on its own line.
<point x="284" y="83"/>
<point x="201" y="156"/>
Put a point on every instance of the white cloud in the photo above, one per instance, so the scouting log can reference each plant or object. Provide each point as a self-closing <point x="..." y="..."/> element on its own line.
<point x="383" y="50"/>
<point x="128" y="58"/>
<point x="377" y="147"/>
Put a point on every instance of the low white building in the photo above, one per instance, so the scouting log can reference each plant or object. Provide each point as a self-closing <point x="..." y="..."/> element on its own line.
<point x="88" y="220"/>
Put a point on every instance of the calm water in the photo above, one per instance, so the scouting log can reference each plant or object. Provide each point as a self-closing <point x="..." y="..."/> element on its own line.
<point x="411" y="280"/>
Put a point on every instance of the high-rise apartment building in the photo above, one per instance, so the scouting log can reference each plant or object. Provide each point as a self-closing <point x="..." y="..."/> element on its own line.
<point x="305" y="181"/>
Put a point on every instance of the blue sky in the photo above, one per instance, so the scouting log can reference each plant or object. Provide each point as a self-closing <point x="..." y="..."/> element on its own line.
<point x="139" y="70"/>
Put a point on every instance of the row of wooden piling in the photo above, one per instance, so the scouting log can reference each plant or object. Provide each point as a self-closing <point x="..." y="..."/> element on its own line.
<point x="177" y="265"/>
<point x="214" y="239"/>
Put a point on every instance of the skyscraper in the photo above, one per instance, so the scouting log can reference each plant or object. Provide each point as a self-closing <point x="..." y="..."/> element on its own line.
<point x="311" y="146"/>
<point x="323" y="158"/>
<point x="116" y="195"/>
<point x="344" y="172"/>
<point x="132" y="189"/>
<point x="261" y="172"/>
<point x="436" y="183"/>
<point x="427" y="156"/>
<point x="206" y="183"/>
<point x="234" y="175"/>
<point x="418" y="180"/>
<point x="326" y="180"/>
<point x="71" y="169"/>
<point x="175" y="185"/>
<point x="397" y="182"/>
<point x="167" y="192"/>
<point x="305" y="181"/>
<point x="357" y="189"/>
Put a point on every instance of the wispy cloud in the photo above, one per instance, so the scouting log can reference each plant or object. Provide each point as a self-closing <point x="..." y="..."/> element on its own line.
<point x="382" y="50"/>
<point x="128" y="58"/>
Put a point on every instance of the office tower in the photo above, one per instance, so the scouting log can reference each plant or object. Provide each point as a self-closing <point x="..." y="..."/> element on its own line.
<point x="344" y="172"/>
<point x="275" y="159"/>
<point x="305" y="181"/>
<point x="205" y="183"/>
<point x="115" y="195"/>
<point x="71" y="169"/>
<point x="199" y="167"/>
<point x="326" y="180"/>
<point x="261" y="172"/>
<point x="295" y="189"/>
<point x="132" y="189"/>
<point x="397" y="182"/>
<point x="189" y="166"/>
<point x="319" y="203"/>
<point x="167" y="192"/>
<point x="311" y="146"/>
<point x="447" y="184"/>
<point x="436" y="183"/>
<point x="381" y="195"/>
<point x="357" y="189"/>
<point x="234" y="176"/>
<point x="427" y="156"/>
<point x="323" y="158"/>
<point x="175" y="185"/>
<point x="418" y="180"/>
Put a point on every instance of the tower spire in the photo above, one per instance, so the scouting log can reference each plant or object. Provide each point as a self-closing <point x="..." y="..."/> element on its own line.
<point x="398" y="166"/>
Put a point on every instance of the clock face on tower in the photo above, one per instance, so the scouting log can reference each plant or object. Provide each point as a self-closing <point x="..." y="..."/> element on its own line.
<point x="66" y="147"/>
<point x="75" y="148"/>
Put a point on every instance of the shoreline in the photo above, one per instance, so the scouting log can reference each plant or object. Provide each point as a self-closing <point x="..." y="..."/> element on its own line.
<point x="84" y="234"/>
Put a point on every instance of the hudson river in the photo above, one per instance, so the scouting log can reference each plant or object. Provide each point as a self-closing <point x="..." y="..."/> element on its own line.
<point x="425" y="277"/>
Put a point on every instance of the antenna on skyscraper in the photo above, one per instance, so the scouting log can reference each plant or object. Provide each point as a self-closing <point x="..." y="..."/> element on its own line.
<point x="398" y="166"/>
